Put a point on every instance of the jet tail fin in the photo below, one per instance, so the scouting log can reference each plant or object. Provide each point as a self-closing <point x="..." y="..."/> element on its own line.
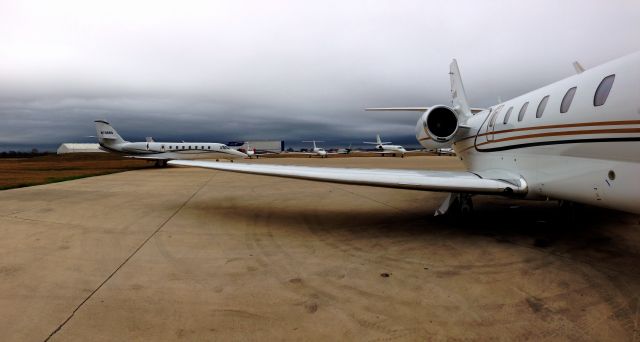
<point x="458" y="95"/>
<point x="106" y="134"/>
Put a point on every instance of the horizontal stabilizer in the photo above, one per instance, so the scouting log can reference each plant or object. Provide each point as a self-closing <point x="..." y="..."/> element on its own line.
<point x="397" y="109"/>
<point x="412" y="109"/>
<point x="447" y="181"/>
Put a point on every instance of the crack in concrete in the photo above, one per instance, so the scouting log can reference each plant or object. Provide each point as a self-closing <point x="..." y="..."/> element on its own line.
<point x="61" y="325"/>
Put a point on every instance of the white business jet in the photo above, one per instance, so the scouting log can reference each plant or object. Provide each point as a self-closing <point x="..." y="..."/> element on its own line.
<point x="345" y="150"/>
<point x="251" y="152"/>
<point x="161" y="152"/>
<point x="576" y="140"/>
<point x="316" y="151"/>
<point x="383" y="147"/>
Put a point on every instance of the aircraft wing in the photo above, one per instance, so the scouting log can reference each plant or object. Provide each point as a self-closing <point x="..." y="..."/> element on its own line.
<point x="447" y="181"/>
<point x="146" y="157"/>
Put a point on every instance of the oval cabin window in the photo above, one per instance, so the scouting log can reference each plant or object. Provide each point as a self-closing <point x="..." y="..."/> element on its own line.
<point x="522" y="111"/>
<point x="506" y="116"/>
<point x="603" y="90"/>
<point x="567" y="99"/>
<point x="542" y="106"/>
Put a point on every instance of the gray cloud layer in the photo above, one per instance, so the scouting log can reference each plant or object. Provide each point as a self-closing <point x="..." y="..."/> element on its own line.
<point x="280" y="69"/>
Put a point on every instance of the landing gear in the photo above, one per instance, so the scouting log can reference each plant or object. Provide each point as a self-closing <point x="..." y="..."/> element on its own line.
<point x="569" y="211"/>
<point x="466" y="204"/>
<point x="161" y="163"/>
<point x="456" y="204"/>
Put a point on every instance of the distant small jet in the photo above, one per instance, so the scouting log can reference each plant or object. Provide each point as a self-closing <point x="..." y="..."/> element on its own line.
<point x="251" y="152"/>
<point x="383" y="147"/>
<point x="161" y="152"/>
<point x="445" y="151"/>
<point x="316" y="151"/>
<point x="346" y="150"/>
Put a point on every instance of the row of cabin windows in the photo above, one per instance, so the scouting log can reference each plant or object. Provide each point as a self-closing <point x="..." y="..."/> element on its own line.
<point x="185" y="147"/>
<point x="599" y="99"/>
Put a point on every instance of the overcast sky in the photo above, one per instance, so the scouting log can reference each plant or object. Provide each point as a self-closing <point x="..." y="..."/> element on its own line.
<point x="292" y="70"/>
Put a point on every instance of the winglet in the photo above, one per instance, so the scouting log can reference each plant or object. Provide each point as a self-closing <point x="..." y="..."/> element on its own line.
<point x="458" y="95"/>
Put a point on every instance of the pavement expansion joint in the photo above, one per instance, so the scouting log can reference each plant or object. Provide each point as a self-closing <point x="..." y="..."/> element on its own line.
<point x="61" y="325"/>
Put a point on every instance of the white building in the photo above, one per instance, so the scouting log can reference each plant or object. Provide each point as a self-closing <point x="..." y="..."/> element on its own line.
<point x="78" y="148"/>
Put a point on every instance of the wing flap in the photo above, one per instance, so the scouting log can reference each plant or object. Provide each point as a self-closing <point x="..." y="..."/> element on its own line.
<point x="447" y="181"/>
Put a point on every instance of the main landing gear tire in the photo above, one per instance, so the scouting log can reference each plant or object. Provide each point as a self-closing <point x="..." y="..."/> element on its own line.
<point x="466" y="207"/>
<point x="456" y="205"/>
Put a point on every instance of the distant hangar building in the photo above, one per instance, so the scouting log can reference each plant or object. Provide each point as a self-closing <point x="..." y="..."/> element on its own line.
<point x="78" y="148"/>
<point x="275" y="146"/>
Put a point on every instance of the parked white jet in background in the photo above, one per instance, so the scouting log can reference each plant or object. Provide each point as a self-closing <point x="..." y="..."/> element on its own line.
<point x="345" y="150"/>
<point x="448" y="151"/>
<point x="575" y="140"/>
<point x="251" y="152"/>
<point x="383" y="147"/>
<point x="161" y="152"/>
<point x="316" y="151"/>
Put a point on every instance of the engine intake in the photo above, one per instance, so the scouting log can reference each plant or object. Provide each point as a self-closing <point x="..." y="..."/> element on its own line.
<point x="441" y="123"/>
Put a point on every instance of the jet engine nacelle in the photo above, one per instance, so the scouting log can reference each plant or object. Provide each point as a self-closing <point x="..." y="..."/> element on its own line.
<point x="437" y="127"/>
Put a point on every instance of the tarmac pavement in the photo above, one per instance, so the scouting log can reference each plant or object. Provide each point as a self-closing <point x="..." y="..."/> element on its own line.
<point x="194" y="254"/>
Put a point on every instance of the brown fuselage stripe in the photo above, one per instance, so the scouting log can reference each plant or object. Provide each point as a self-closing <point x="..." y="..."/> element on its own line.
<point x="565" y="133"/>
<point x="557" y="134"/>
<point x="582" y="124"/>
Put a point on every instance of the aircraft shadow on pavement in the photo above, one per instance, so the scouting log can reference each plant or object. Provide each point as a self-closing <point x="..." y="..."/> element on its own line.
<point x="583" y="234"/>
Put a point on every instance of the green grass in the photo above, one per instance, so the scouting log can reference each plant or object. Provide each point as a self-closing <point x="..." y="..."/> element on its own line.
<point x="51" y="180"/>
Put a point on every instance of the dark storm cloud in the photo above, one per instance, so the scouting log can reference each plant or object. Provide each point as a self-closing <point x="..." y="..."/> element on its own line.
<point x="280" y="69"/>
